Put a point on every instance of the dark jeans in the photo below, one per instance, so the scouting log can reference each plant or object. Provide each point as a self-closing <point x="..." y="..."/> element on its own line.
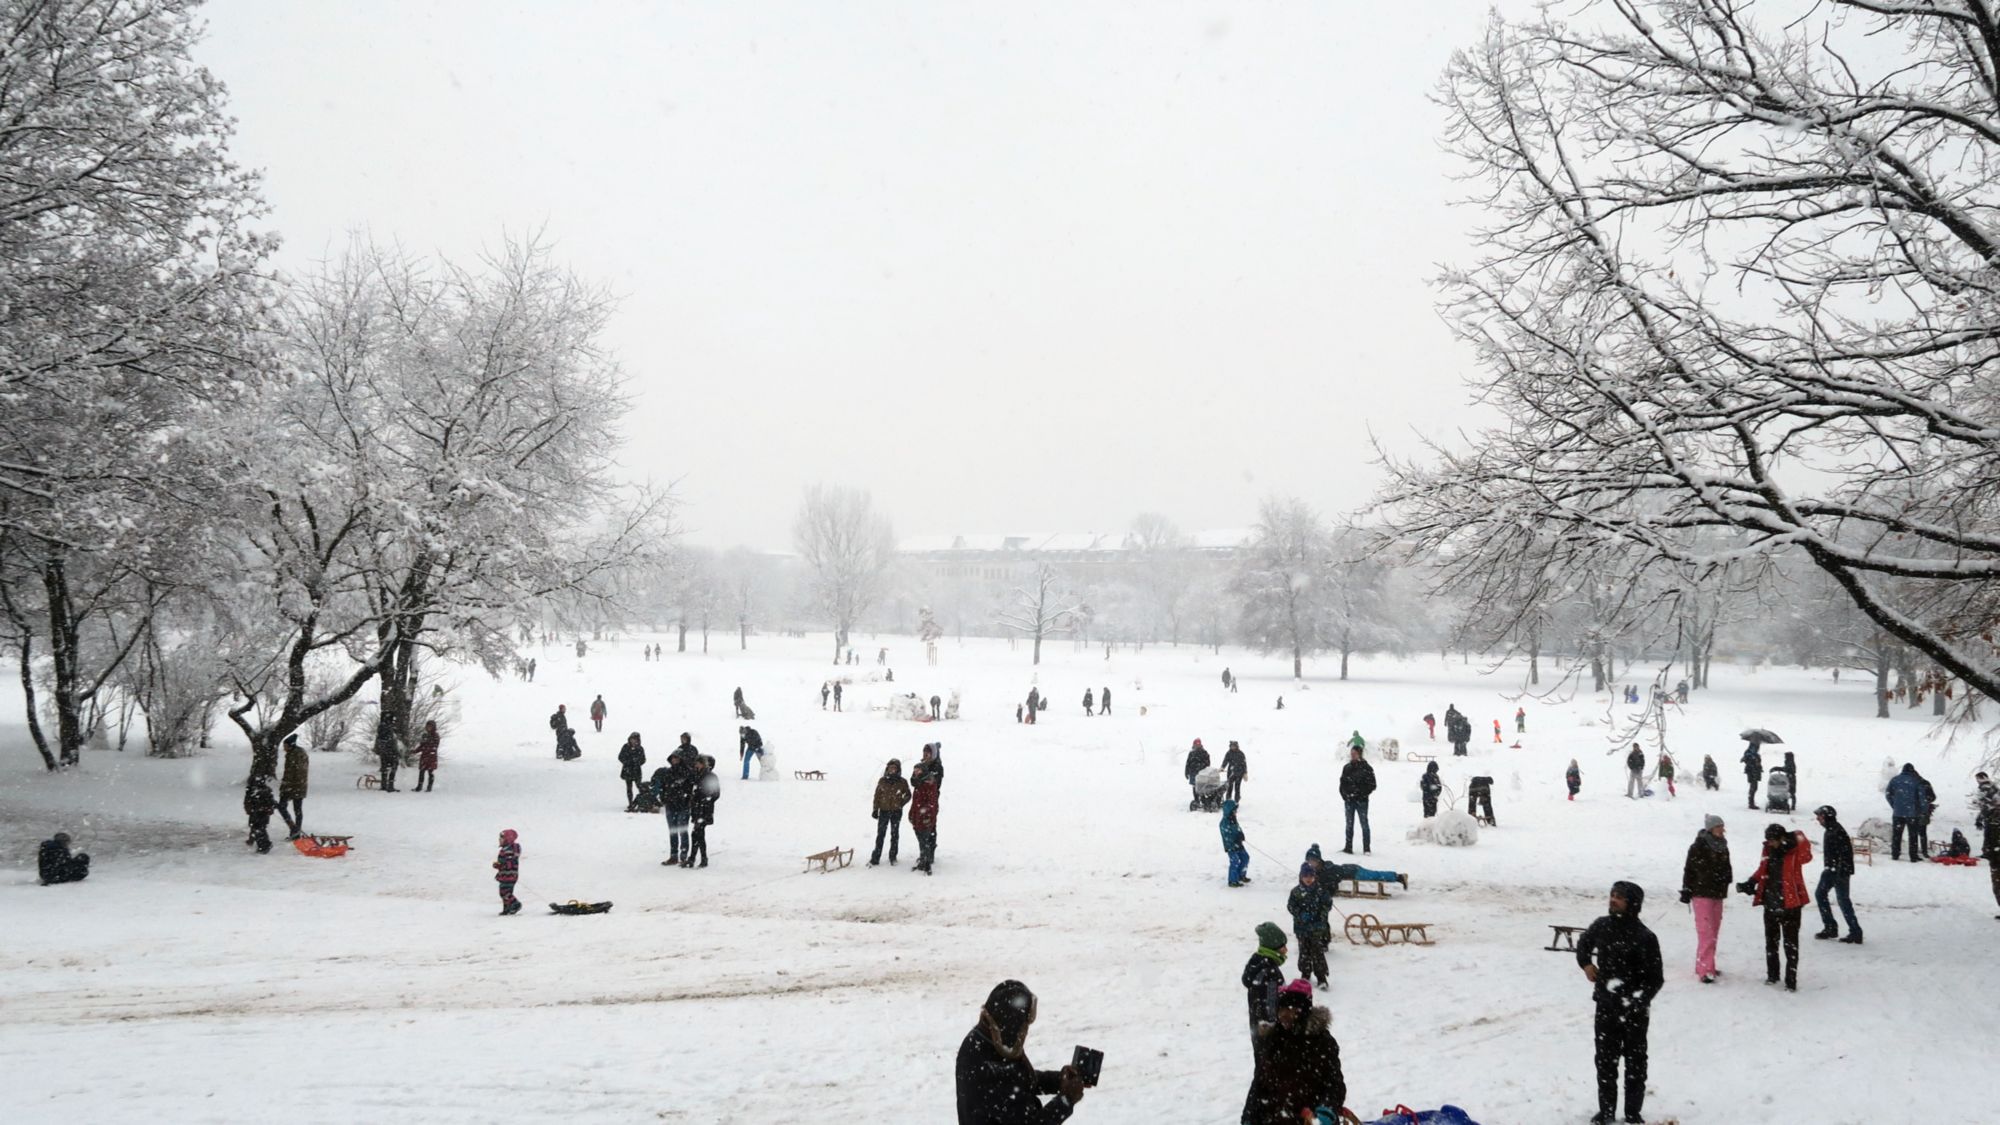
<point x="294" y="815"/>
<point x="1994" y="870"/>
<point x="1480" y="805"/>
<point x="1458" y="749"/>
<point x="260" y="831"/>
<point x="631" y="791"/>
<point x="1430" y="805"/>
<point x="699" y="844"/>
<point x="1753" y="792"/>
<point x="388" y="776"/>
<point x="1896" y="838"/>
<point x="1621" y="1035"/>
<point x="1920" y="847"/>
<point x="1835" y="885"/>
<point x="1312" y="956"/>
<point x="1232" y="790"/>
<point x="890" y="822"/>
<point x="926" y="848"/>
<point x="426" y="779"/>
<point x="1782" y="925"/>
<point x="1358" y="808"/>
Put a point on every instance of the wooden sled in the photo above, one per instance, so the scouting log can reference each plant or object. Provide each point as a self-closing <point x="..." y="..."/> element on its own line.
<point x="809" y="775"/>
<point x="1366" y="929"/>
<point x="831" y="859"/>
<point x="1351" y="888"/>
<point x="1418" y="756"/>
<point x="1564" y="938"/>
<point x="323" y="847"/>
<point x="574" y="907"/>
<point x="367" y="781"/>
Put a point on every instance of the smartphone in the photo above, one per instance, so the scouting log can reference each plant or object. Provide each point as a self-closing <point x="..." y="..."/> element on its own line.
<point x="1089" y="1063"/>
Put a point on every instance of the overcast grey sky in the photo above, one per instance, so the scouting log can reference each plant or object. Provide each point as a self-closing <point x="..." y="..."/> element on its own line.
<point x="1010" y="266"/>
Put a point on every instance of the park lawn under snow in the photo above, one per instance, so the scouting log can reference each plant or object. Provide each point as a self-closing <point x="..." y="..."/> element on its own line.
<point x="192" y="980"/>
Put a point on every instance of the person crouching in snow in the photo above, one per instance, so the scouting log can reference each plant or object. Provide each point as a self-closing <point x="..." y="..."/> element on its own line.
<point x="1309" y="906"/>
<point x="1573" y="777"/>
<point x="1233" y="844"/>
<point x="1263" y="976"/>
<point x="1779" y="886"/>
<point x="1298" y="1062"/>
<point x="507" y="871"/>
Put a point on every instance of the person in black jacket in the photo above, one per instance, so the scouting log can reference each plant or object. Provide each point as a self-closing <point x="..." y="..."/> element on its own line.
<point x="749" y="744"/>
<point x="673" y="785"/>
<point x="1621" y="958"/>
<point x="1753" y="769"/>
<point x="707" y="790"/>
<point x="1309" y="905"/>
<point x="57" y="865"/>
<point x="1990" y="848"/>
<point x="1298" y="1062"/>
<point x="1430" y="785"/>
<point x="1264" y="975"/>
<point x="1235" y="767"/>
<point x="1705" y="882"/>
<point x="1635" y="773"/>
<point x="258" y="804"/>
<point x="1357" y="781"/>
<point x="997" y="1085"/>
<point x="1197" y="761"/>
<point x="631" y="767"/>
<point x="1837" y="854"/>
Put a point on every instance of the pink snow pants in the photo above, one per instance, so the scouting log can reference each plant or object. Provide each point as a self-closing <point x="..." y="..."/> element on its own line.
<point x="1707" y="924"/>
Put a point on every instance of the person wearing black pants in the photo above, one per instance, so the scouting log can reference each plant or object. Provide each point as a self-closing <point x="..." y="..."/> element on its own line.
<point x="389" y="755"/>
<point x="707" y="791"/>
<point x="1779" y="886"/>
<point x="891" y="794"/>
<point x="1430" y="785"/>
<point x="1235" y="767"/>
<point x="1626" y="974"/>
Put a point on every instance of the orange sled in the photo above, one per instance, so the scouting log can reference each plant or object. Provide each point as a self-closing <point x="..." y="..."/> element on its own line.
<point x="320" y="847"/>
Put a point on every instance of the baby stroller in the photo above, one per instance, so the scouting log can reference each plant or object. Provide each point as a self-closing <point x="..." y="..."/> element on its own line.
<point x="1208" y="787"/>
<point x="1778" y="791"/>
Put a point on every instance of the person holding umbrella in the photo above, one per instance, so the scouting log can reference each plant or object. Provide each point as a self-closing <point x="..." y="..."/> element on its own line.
<point x="1753" y="762"/>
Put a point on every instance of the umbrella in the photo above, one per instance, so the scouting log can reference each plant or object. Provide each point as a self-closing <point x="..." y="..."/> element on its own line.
<point x="1759" y="734"/>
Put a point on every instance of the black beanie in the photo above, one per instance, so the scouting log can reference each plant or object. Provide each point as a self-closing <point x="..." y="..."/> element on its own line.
<point x="1011" y="1006"/>
<point x="1633" y="894"/>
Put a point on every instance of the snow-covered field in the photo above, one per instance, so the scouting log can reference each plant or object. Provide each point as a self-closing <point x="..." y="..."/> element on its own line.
<point x="192" y="980"/>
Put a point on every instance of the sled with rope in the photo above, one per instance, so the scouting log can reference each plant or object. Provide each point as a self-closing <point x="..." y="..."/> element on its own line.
<point x="1366" y="929"/>
<point x="323" y="847"/>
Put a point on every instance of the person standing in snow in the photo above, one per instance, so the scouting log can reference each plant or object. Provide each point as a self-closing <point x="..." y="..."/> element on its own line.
<point x="707" y="790"/>
<point x="1228" y="684"/>
<point x="1298" y="1062"/>
<point x="1906" y="803"/>
<point x="631" y="767"/>
<point x="427" y="758"/>
<point x="1089" y="702"/>
<point x="1520" y="720"/>
<point x="1233" y="842"/>
<point x="1711" y="778"/>
<point x="388" y="755"/>
<point x="1457" y="730"/>
<point x="1705" y="880"/>
<point x="926" y="782"/>
<point x="836" y="695"/>
<point x="1309" y="904"/>
<point x="1104" y="697"/>
<point x="1479" y="800"/>
<point x="1431" y="724"/>
<point x="742" y="708"/>
<point x="1990" y="848"/>
<point x="1753" y="770"/>
<point x="1985" y="801"/>
<point x="1666" y="768"/>
<point x="1430" y="786"/>
<point x="507" y="871"/>
<point x="1034" y="703"/>
<point x="559" y="722"/>
<point x="1635" y="773"/>
<point x="1837" y="853"/>
<point x="597" y="713"/>
<point x="1792" y="775"/>
<point x="1928" y="807"/>
<point x="1235" y="767"/>
<point x="996" y="1084"/>
<point x="673" y="786"/>
<point x="1573" y="777"/>
<point x="936" y="708"/>
<point x="1621" y="959"/>
<point x="292" y="786"/>
<point x="1263" y="976"/>
<point x="891" y="794"/>
<point x="825" y="689"/>
<point x="1779" y="886"/>
<point x="1496" y="731"/>
<point x="1197" y="761"/>
<point x="258" y="805"/>
<point x="1357" y="781"/>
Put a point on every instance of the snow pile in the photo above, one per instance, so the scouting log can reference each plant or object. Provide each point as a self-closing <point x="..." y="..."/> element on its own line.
<point x="1451" y="828"/>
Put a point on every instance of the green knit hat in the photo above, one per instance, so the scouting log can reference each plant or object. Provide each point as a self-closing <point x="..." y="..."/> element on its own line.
<point x="1270" y="936"/>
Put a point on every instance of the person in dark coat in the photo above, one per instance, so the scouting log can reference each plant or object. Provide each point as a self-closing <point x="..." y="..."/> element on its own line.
<point x="996" y="1084"/>
<point x="1621" y="959"/>
<point x="1264" y="975"/>
<point x="258" y="805"/>
<point x="1197" y="761"/>
<point x="1357" y="781"/>
<point x="55" y="864"/>
<point x="1928" y="807"/>
<point x="1792" y="775"/>
<point x="388" y="755"/>
<point x="1309" y="906"/>
<point x="1034" y="703"/>
<point x="566" y="748"/>
<point x="1298" y="1062"/>
<point x="1990" y="848"/>
<point x="1573" y="778"/>
<point x="1430" y="786"/>
<point x="749" y="744"/>
<point x="707" y="790"/>
<point x="1836" y="852"/>
<point x="598" y="712"/>
<point x="1235" y="767"/>
<point x="1906" y="804"/>
<point x="891" y="794"/>
<point x="292" y="787"/>
<point x="1104" y="699"/>
<point x="427" y="759"/>
<point x="926" y="780"/>
<point x="1479" y="799"/>
<point x="1753" y="770"/>
<point x="1635" y="773"/>
<point x="742" y="708"/>
<point x="673" y="786"/>
<point x="1089" y="702"/>
<point x="631" y="767"/>
<point x="836" y="695"/>
<point x="1705" y="882"/>
<point x="1457" y="729"/>
<point x="825" y="690"/>
<point x="1711" y="777"/>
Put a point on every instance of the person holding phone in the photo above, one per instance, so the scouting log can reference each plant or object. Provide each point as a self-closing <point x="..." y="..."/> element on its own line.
<point x="997" y="1085"/>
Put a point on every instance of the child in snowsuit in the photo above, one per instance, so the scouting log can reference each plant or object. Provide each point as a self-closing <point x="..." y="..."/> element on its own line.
<point x="507" y="872"/>
<point x="1573" y="777"/>
<point x="1520" y="720"/>
<point x="1711" y="778"/>
<point x="707" y="791"/>
<point x="258" y="804"/>
<point x="1233" y="843"/>
<point x="1430" y="785"/>
<point x="1309" y="905"/>
<point x="1666" y="768"/>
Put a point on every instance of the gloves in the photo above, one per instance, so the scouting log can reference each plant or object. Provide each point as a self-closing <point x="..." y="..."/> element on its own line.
<point x="1687" y="897"/>
<point x="1747" y="886"/>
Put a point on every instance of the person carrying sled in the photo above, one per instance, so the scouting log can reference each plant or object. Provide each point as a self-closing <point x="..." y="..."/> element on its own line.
<point x="1309" y="904"/>
<point x="1779" y="886"/>
<point x="55" y="864"/>
<point x="1197" y="761"/>
<point x="597" y="713"/>
<point x="1621" y="959"/>
<point x="926" y="782"/>
<point x="891" y="794"/>
<point x="507" y="871"/>
<point x="1233" y="845"/>
<point x="995" y="1082"/>
<point x="1430" y="786"/>
<point x="1705" y="880"/>
<point x="1298" y="1062"/>
<point x="1264" y="976"/>
<point x="1235" y="767"/>
<point x="631" y="767"/>
<point x="1573" y="777"/>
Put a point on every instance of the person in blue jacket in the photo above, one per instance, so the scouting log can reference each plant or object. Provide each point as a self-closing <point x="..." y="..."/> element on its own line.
<point x="1906" y="805"/>
<point x="1233" y="844"/>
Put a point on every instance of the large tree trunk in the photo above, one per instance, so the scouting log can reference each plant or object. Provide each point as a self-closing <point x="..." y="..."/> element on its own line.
<point x="1038" y="647"/>
<point x="682" y="628"/>
<point x="64" y="651"/>
<point x="1343" y="660"/>
<point x="743" y="634"/>
<point x="1881" y="685"/>
<point x="1298" y="663"/>
<point x="1535" y="660"/>
<point x="26" y="645"/>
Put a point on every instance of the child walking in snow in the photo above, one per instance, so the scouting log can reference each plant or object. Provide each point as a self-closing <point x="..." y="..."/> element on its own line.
<point x="1574" y="778"/>
<point x="507" y="872"/>
<point x="1233" y="845"/>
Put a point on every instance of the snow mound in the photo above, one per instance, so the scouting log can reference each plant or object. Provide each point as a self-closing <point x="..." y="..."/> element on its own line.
<point x="1450" y="828"/>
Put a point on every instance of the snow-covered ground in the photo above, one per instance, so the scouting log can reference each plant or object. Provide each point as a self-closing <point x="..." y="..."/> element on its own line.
<point x="192" y="980"/>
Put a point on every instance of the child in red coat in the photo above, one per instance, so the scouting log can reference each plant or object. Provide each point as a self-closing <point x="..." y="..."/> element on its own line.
<point x="1785" y="857"/>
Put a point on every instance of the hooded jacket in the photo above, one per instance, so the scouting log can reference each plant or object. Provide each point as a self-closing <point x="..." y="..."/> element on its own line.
<point x="1296" y="1070"/>
<point x="1197" y="761"/>
<point x="1357" y="780"/>
<point x="891" y="792"/>
<point x="298" y="769"/>
<point x="998" y="1085"/>
<point x="1792" y="856"/>
<point x="1232" y="832"/>
<point x="1629" y="971"/>
<point x="1707" y="873"/>
<point x="1906" y="793"/>
<point x="1836" y="850"/>
<point x="1234" y="765"/>
<point x="1262" y="978"/>
<point x="631" y="760"/>
<point x="1431" y="784"/>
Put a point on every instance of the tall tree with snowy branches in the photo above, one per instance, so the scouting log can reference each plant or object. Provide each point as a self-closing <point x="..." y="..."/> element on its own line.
<point x="848" y="547"/>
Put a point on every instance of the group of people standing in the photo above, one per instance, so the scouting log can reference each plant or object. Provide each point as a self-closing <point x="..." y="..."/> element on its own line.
<point x="920" y="793"/>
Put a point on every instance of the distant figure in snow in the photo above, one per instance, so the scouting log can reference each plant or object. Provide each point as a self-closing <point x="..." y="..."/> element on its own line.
<point x="258" y="805"/>
<point x="937" y="708"/>
<point x="580" y="648"/>
<point x="1906" y="804"/>
<point x="1496" y="731"/>
<point x="881" y="656"/>
<point x="1104" y="697"/>
<point x="531" y="669"/>
<point x="1711" y="778"/>
<point x="1431" y="724"/>
<point x="1017" y="713"/>
<point x="1705" y="880"/>
<point x="1792" y="772"/>
<point x="1281" y="703"/>
<point x="1234" y="846"/>
<point x="56" y="865"/>
<point x="1666" y="768"/>
<point x="597" y="713"/>
<point x="1034" y="703"/>
<point x="1356" y="742"/>
<point x="1430" y="785"/>
<point x="631" y="767"/>
<point x="1357" y="781"/>
<point x="825" y="690"/>
<point x="1227" y="681"/>
<point x="292" y="786"/>
<point x="1635" y="773"/>
<point x="1520" y="720"/>
<point x="926" y="781"/>
<point x="891" y="794"/>
<point x="1197" y="761"/>
<point x="749" y="744"/>
<point x="707" y="790"/>
<point x="427" y="758"/>
<point x="742" y="710"/>
<point x="1089" y="703"/>
<point x="507" y="871"/>
<point x="388" y="755"/>
<point x="1235" y="767"/>
<point x="1625" y="975"/>
<point x="1753" y="769"/>
<point x="1479" y="800"/>
<point x="889" y="677"/>
<point x="1457" y="730"/>
<point x="836" y="695"/>
<point x="1573" y="777"/>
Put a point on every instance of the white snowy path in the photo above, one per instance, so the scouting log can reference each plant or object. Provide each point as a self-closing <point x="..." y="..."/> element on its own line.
<point x="190" y="980"/>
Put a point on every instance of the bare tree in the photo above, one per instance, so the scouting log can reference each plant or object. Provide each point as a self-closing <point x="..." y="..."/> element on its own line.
<point x="1281" y="580"/>
<point x="848" y="547"/>
<point x="1163" y="570"/>
<point x="1740" y="276"/>
<point x="1042" y="607"/>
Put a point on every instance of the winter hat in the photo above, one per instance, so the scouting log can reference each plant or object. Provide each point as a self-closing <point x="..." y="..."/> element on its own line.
<point x="1291" y="997"/>
<point x="1633" y="894"/>
<point x="1711" y="821"/>
<point x="1270" y="936"/>
<point x="1306" y="869"/>
<point x="1312" y="853"/>
<point x="1197" y="744"/>
<point x="508" y="835"/>
<point x="291" y="740"/>
<point x="1775" y="832"/>
<point x="1011" y="1007"/>
<point x="1299" y="987"/>
<point x="62" y="838"/>
<point x="1826" y="811"/>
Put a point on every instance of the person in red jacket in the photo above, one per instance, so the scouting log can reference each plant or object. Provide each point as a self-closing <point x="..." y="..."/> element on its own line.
<point x="1779" y="886"/>
<point x="427" y="759"/>
<point x="925" y="782"/>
